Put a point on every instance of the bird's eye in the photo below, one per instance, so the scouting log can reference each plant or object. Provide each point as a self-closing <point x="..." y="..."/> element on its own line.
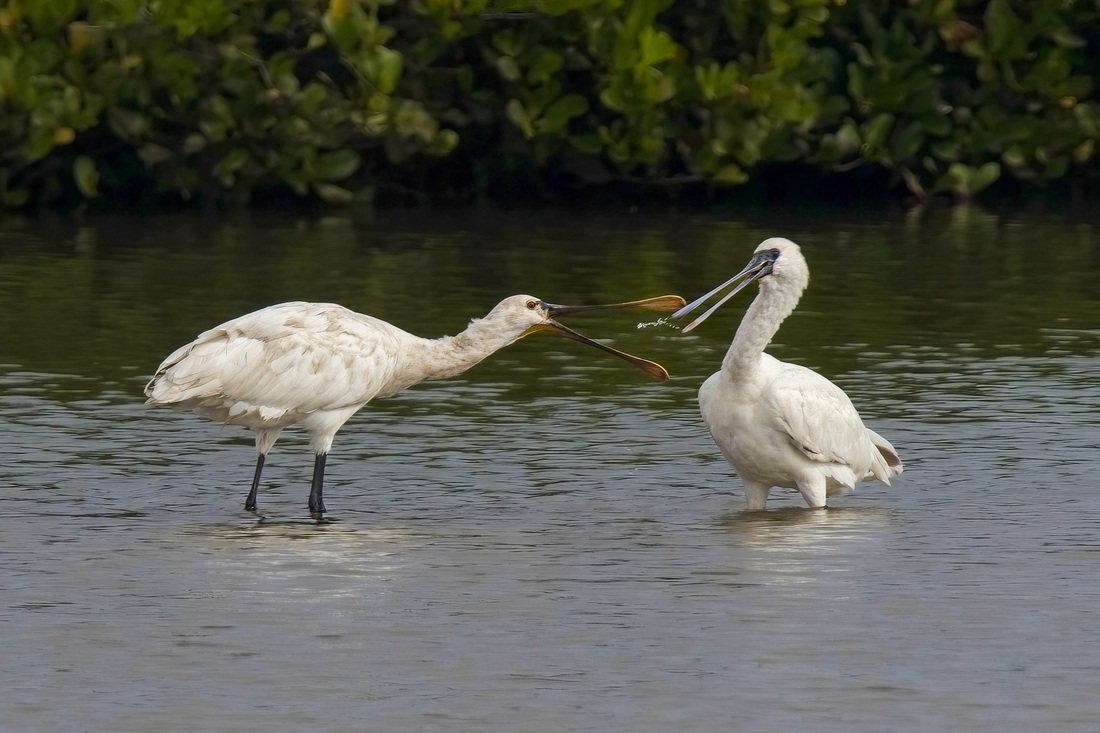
<point x="532" y="304"/>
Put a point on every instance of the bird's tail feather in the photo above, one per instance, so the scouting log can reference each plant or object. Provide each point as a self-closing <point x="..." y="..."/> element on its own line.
<point x="889" y="454"/>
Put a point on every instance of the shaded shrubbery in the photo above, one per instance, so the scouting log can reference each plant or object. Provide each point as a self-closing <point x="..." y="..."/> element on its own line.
<point x="163" y="100"/>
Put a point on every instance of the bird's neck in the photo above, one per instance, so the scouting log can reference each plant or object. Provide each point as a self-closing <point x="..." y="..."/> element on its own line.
<point x="450" y="355"/>
<point x="761" y="322"/>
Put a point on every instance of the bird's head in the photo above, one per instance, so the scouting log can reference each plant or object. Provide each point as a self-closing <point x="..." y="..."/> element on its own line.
<point x="528" y="314"/>
<point x="776" y="259"/>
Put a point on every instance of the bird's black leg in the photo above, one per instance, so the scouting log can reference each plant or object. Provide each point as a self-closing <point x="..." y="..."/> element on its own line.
<point x="316" y="500"/>
<point x="250" y="502"/>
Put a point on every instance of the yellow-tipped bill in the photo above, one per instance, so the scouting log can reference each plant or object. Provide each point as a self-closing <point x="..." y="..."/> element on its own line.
<point x="662" y="303"/>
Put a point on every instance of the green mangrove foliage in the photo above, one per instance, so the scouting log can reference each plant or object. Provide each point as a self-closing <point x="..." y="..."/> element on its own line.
<point x="154" y="100"/>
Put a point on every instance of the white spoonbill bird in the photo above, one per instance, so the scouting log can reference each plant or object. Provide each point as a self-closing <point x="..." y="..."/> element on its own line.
<point x="782" y="424"/>
<point x="317" y="364"/>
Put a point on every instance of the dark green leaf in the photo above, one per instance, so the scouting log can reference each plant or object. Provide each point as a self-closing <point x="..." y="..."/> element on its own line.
<point x="86" y="176"/>
<point x="332" y="194"/>
<point x="337" y="165"/>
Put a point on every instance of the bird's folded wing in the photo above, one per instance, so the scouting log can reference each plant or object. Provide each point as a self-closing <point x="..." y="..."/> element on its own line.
<point x="281" y="358"/>
<point x="819" y="418"/>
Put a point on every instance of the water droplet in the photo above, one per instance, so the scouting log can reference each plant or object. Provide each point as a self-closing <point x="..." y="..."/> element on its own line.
<point x="658" y="322"/>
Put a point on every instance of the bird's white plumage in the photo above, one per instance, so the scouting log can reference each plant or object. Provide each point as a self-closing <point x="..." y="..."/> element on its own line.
<point x="273" y="367"/>
<point x="782" y="424"/>
<point x="317" y="364"/>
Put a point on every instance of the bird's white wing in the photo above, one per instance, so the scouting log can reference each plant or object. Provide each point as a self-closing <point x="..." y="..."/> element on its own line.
<point x="821" y="422"/>
<point x="292" y="357"/>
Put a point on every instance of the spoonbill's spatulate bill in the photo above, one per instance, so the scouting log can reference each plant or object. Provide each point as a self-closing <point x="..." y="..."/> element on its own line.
<point x="317" y="364"/>
<point x="782" y="424"/>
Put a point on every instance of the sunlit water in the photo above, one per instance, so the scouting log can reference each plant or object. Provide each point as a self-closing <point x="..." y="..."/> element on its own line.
<point x="551" y="542"/>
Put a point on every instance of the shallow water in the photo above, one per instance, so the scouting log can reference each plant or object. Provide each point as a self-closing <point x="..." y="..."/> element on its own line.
<point x="551" y="541"/>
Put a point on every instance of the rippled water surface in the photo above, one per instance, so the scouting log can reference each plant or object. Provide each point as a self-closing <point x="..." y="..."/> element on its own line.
<point x="551" y="542"/>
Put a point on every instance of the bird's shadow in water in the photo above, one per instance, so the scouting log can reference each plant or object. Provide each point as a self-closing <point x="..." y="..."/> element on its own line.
<point x="796" y="515"/>
<point x="338" y="541"/>
<point x="798" y="526"/>
<point x="250" y="525"/>
<point x="318" y="523"/>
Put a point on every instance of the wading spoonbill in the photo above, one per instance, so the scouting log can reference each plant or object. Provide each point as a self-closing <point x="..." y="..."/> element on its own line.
<point x="317" y="364"/>
<point x="782" y="424"/>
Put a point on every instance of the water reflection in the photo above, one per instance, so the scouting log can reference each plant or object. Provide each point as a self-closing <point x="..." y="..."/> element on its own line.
<point x="800" y="545"/>
<point x="801" y="526"/>
<point x="301" y="561"/>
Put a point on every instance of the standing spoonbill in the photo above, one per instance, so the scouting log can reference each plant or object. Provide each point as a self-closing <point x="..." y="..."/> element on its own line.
<point x="782" y="424"/>
<point x="317" y="364"/>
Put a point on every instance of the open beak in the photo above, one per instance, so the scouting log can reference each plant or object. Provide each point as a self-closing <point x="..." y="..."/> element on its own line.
<point x="757" y="267"/>
<point x="663" y="303"/>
